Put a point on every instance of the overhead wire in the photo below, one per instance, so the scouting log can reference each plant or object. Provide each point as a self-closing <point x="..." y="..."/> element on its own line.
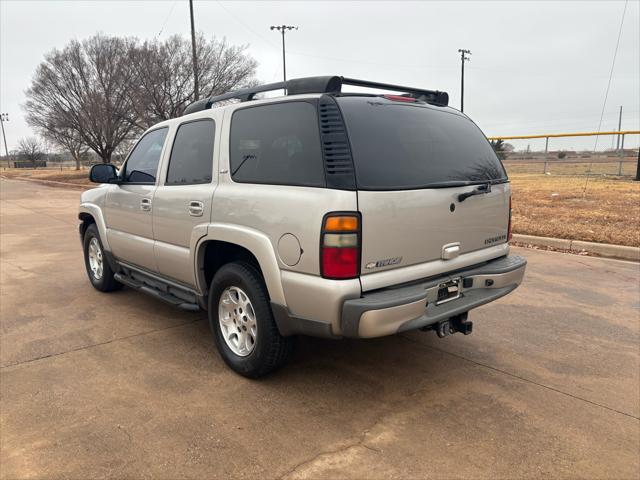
<point x="245" y="25"/>
<point x="606" y="94"/>
<point x="164" y="24"/>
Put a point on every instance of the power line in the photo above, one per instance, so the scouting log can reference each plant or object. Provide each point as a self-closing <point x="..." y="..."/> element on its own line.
<point x="164" y="24"/>
<point x="257" y="34"/>
<point x="323" y="57"/>
<point x="613" y="63"/>
<point x="606" y="94"/>
<point x="368" y="62"/>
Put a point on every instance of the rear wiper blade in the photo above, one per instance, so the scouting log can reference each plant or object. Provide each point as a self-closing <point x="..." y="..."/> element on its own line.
<point x="481" y="190"/>
<point x="448" y="184"/>
<point x="244" y="159"/>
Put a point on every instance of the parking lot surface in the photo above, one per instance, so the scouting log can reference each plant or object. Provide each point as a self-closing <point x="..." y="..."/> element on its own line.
<point x="121" y="385"/>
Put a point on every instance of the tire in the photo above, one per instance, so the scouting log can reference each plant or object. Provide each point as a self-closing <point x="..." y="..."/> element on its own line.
<point x="101" y="278"/>
<point x="254" y="352"/>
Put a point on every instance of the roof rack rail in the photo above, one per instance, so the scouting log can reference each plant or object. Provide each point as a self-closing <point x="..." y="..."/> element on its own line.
<point x="329" y="84"/>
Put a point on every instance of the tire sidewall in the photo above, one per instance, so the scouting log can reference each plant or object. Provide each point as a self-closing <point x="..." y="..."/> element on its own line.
<point x="239" y="275"/>
<point x="92" y="232"/>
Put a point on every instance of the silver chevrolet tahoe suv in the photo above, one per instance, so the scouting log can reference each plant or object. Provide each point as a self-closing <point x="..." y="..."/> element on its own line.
<point x="319" y="212"/>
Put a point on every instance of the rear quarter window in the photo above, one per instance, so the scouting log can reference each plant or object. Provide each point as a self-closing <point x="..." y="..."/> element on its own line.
<point x="406" y="146"/>
<point x="276" y="144"/>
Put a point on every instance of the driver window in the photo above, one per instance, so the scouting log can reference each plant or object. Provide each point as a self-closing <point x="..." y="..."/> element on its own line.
<point x="142" y="164"/>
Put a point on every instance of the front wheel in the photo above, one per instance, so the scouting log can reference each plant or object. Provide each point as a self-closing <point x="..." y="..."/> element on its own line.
<point x="242" y="323"/>
<point x="98" y="268"/>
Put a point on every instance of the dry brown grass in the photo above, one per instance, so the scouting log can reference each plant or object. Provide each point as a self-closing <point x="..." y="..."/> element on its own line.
<point x="551" y="206"/>
<point x="78" y="177"/>
<point x="544" y="205"/>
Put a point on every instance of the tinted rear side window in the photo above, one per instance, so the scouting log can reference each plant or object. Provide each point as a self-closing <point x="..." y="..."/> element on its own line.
<point x="401" y="146"/>
<point x="192" y="153"/>
<point x="277" y="144"/>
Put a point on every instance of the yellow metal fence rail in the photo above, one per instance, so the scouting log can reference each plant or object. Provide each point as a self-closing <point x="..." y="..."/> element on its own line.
<point x="547" y="136"/>
<point x="575" y="134"/>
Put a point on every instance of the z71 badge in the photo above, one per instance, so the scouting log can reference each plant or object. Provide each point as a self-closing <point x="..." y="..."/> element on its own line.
<point x="383" y="263"/>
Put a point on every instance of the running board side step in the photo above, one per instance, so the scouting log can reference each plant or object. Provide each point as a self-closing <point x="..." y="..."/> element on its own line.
<point x="158" y="290"/>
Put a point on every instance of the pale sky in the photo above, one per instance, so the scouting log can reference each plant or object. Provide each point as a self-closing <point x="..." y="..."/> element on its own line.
<point x="536" y="67"/>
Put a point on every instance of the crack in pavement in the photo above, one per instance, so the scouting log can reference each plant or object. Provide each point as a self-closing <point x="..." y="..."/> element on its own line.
<point x="513" y="375"/>
<point x="393" y="406"/>
<point x="86" y="347"/>
<point x="360" y="442"/>
<point x="25" y="270"/>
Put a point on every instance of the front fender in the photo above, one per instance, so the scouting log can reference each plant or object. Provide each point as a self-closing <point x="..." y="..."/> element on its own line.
<point x="96" y="212"/>
<point x="254" y="241"/>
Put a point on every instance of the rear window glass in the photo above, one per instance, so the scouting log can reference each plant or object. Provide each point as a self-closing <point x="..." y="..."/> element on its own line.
<point x="277" y="144"/>
<point x="400" y="146"/>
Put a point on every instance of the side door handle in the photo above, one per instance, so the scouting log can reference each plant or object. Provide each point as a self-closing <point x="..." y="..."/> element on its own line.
<point x="145" y="204"/>
<point x="196" y="208"/>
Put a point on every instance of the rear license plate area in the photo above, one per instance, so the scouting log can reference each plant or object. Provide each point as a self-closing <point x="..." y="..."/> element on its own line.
<point x="448" y="291"/>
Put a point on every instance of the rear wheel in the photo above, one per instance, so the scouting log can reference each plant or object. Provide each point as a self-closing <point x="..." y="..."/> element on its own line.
<point x="98" y="268"/>
<point x="242" y="323"/>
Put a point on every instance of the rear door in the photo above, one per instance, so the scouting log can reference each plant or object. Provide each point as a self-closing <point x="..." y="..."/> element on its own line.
<point x="182" y="201"/>
<point x="412" y="162"/>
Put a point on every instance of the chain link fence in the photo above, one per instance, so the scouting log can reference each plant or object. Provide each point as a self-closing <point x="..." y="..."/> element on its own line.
<point x="609" y="161"/>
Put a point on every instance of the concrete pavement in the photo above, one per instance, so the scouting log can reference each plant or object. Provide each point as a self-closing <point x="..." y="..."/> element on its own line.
<point x="120" y="385"/>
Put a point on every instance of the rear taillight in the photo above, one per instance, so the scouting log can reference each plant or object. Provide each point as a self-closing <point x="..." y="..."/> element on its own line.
<point x="509" y="234"/>
<point x="340" y="246"/>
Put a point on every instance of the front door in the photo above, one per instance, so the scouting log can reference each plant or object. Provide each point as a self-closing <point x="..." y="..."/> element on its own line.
<point x="129" y="205"/>
<point x="182" y="201"/>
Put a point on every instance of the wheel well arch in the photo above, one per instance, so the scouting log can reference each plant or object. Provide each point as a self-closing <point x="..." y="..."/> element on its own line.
<point x="86" y="219"/>
<point x="213" y="254"/>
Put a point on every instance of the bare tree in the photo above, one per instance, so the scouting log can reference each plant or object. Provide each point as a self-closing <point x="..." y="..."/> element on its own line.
<point x="70" y="140"/>
<point x="50" y="125"/>
<point x="82" y="93"/>
<point x="30" y="148"/>
<point x="165" y="73"/>
<point x="120" y="153"/>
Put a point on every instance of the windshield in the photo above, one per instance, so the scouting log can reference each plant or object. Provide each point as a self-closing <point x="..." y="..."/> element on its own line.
<point x="398" y="146"/>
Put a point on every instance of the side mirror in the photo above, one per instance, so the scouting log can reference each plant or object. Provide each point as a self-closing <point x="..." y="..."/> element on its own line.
<point x="103" y="173"/>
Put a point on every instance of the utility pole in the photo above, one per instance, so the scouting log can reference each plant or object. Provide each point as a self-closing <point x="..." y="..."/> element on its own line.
<point x="4" y="117"/>
<point x="619" y="128"/>
<point x="196" y="93"/>
<point x="282" y="29"/>
<point x="463" y="58"/>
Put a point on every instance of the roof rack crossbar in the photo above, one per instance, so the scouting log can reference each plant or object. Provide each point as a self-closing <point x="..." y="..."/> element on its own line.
<point x="243" y="95"/>
<point x="387" y="86"/>
<point x="329" y="84"/>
